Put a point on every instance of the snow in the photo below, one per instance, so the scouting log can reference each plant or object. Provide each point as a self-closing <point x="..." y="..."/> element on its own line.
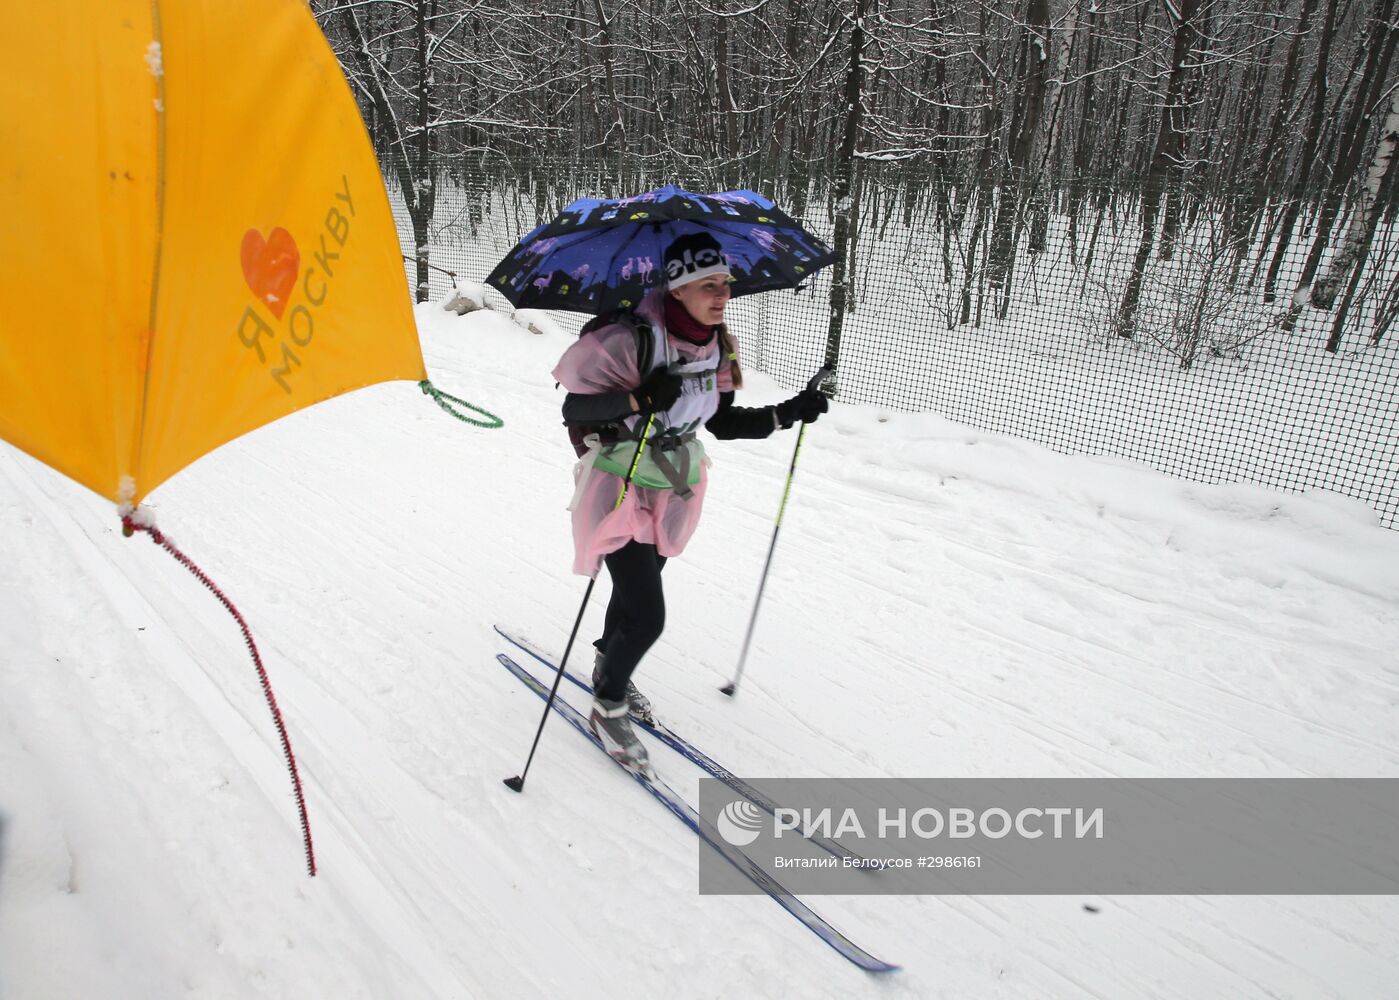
<point x="473" y="291"/>
<point x="539" y="321"/>
<point x="944" y="602"/>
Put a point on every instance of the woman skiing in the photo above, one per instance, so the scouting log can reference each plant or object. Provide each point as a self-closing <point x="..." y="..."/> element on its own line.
<point x="673" y="361"/>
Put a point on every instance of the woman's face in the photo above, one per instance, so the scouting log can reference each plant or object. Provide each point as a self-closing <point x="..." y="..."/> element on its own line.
<point x="705" y="299"/>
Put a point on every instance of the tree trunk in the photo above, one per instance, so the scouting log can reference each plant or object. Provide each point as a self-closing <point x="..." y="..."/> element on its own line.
<point x="424" y="200"/>
<point x="1310" y="142"/>
<point x="980" y="183"/>
<point x="1177" y="170"/>
<point x="419" y="199"/>
<point x="1388" y="312"/>
<point x="1291" y="76"/>
<point x="1079" y="185"/>
<point x="1054" y="117"/>
<point x="727" y="111"/>
<point x="1348" y="153"/>
<point x="844" y="186"/>
<point x="1351" y="258"/>
<point x="1166" y="161"/>
<point x="780" y="136"/>
<point x="615" y="138"/>
<point x="1024" y="130"/>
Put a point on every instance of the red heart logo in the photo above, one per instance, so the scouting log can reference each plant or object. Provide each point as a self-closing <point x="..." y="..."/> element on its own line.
<point x="270" y="267"/>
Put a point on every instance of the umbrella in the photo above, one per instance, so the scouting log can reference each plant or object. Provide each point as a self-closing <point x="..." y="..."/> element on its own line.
<point x="197" y="237"/>
<point x="600" y="255"/>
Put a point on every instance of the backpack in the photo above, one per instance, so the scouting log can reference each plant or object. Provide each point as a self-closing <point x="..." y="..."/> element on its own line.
<point x="645" y="343"/>
<point x="645" y="350"/>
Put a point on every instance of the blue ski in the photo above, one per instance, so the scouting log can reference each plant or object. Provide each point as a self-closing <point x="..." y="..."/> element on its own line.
<point x="817" y="924"/>
<point x="689" y="751"/>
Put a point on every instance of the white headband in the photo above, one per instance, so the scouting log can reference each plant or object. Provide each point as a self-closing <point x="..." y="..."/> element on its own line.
<point x="692" y="266"/>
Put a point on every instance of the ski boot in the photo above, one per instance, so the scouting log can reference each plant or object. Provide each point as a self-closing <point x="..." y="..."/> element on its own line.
<point x="637" y="703"/>
<point x="610" y="724"/>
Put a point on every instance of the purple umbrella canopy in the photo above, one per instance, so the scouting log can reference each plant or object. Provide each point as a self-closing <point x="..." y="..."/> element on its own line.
<point x="605" y="254"/>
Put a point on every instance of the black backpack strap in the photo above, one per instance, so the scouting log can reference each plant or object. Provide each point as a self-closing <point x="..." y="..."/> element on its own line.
<point x="645" y="342"/>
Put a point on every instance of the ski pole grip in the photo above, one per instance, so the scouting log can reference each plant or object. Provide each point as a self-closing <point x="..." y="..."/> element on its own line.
<point x="817" y="379"/>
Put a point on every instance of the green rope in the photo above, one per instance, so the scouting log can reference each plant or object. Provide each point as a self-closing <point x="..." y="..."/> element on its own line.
<point x="445" y="401"/>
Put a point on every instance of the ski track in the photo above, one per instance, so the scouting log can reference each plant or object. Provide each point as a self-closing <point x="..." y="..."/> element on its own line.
<point x="1051" y="629"/>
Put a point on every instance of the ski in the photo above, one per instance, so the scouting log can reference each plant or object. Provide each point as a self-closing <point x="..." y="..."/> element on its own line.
<point x="683" y="811"/>
<point x="689" y="751"/>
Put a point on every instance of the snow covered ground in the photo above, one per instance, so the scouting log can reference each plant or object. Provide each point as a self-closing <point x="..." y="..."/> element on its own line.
<point x="944" y="602"/>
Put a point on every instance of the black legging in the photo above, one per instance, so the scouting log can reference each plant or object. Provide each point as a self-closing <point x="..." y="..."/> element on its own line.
<point x="635" y="615"/>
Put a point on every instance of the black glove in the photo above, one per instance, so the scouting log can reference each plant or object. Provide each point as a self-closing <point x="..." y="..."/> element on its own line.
<point x="658" y="393"/>
<point x="805" y="406"/>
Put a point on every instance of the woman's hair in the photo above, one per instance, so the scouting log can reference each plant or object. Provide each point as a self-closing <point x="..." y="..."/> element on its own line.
<point x="729" y="346"/>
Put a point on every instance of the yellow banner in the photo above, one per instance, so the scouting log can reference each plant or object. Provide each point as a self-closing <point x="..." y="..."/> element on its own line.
<point x="196" y="235"/>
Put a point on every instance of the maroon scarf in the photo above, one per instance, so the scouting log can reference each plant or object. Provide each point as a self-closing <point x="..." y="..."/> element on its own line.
<point x="679" y="322"/>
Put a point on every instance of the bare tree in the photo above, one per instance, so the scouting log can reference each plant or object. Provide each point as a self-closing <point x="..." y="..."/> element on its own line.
<point x="408" y="139"/>
<point x="1364" y="218"/>
<point x="1167" y="162"/>
<point x="845" y="180"/>
<point x="978" y="125"/>
<point x="1033" y="62"/>
<point x="1375" y="56"/>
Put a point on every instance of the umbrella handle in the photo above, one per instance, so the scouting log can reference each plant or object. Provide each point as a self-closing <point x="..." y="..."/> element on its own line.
<point x="818" y="378"/>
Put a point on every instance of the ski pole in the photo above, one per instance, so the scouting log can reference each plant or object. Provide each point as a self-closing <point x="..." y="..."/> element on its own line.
<point x="517" y="783"/>
<point x="731" y="688"/>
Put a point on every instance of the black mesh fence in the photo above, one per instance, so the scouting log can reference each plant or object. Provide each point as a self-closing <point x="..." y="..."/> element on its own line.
<point x="1009" y="317"/>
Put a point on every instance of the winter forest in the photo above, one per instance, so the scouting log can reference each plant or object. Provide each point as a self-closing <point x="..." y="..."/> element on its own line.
<point x="1127" y="191"/>
<point x="1103" y="493"/>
